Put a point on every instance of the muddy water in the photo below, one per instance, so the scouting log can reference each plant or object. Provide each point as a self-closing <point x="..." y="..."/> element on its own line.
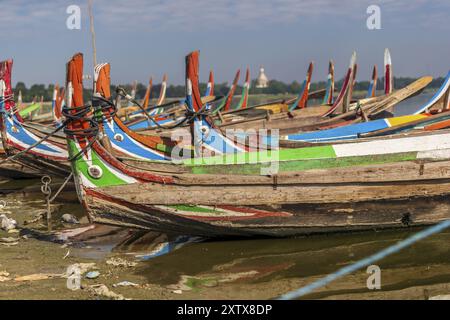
<point x="181" y="267"/>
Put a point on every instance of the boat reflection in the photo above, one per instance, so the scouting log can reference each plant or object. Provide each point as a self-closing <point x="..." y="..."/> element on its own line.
<point x="185" y="263"/>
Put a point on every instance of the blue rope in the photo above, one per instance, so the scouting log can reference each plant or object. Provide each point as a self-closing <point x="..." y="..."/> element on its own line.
<point x="366" y="261"/>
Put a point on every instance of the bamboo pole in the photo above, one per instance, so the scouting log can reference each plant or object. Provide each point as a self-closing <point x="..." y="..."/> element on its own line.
<point x="91" y="19"/>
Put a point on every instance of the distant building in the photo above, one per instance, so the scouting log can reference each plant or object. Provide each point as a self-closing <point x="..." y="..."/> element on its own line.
<point x="262" y="81"/>
<point x="19" y="99"/>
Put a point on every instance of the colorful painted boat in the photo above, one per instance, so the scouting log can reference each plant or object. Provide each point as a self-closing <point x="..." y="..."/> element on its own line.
<point x="225" y="114"/>
<point x="135" y="112"/>
<point x="127" y="143"/>
<point x="52" y="118"/>
<point x="371" y="91"/>
<point x="340" y="187"/>
<point x="46" y="157"/>
<point x="388" y="73"/>
<point x="289" y="116"/>
<point x="30" y="109"/>
<point x="302" y="119"/>
<point x="329" y="93"/>
<point x="50" y="156"/>
<point x="344" y="95"/>
<point x="353" y="131"/>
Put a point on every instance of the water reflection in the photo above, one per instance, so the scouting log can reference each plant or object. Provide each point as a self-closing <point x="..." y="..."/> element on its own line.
<point x="183" y="263"/>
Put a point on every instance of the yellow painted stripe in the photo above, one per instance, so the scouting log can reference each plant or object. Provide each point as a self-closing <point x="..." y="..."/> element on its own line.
<point x="275" y="108"/>
<point x="405" y="119"/>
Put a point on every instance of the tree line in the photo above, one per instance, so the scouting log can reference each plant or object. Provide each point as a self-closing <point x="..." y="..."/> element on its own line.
<point x="221" y="89"/>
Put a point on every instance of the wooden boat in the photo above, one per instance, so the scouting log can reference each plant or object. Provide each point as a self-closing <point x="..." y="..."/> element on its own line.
<point x="122" y="141"/>
<point x="14" y="169"/>
<point x="226" y="112"/>
<point x="343" y="104"/>
<point x="297" y="118"/>
<point x="47" y="157"/>
<point x="388" y="73"/>
<point x="132" y="112"/>
<point x="398" y="182"/>
<point x="293" y="108"/>
<point x="328" y="97"/>
<point x="52" y="118"/>
<point x="371" y="91"/>
<point x="438" y="103"/>
<point x="165" y="121"/>
<point x="168" y="115"/>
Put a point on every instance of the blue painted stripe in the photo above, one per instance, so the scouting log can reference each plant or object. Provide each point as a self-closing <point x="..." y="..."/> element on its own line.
<point x="370" y="90"/>
<point x="128" y="145"/>
<point x="146" y="124"/>
<point x="208" y="90"/>
<point x="28" y="139"/>
<point x="444" y="87"/>
<point x="212" y="138"/>
<point x="295" y="104"/>
<point x="327" y="92"/>
<point x="340" y="133"/>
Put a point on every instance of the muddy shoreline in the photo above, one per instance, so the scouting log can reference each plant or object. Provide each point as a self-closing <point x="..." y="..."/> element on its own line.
<point x="159" y="266"/>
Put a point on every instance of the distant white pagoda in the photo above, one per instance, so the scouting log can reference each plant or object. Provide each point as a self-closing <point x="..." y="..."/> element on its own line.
<point x="262" y="81"/>
<point x="19" y="99"/>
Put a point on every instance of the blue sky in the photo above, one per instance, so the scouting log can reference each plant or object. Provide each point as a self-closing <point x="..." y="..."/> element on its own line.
<point x="142" y="38"/>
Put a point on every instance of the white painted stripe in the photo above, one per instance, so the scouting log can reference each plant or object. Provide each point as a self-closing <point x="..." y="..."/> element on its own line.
<point x="2" y="88"/>
<point x="437" y="96"/>
<point x="390" y="146"/>
<point x="387" y="57"/>
<point x="118" y="174"/>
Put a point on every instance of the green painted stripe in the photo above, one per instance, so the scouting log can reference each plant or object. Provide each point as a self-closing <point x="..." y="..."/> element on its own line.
<point x="107" y="179"/>
<point x="163" y="148"/>
<point x="302" y="165"/>
<point x="266" y="156"/>
<point x="29" y="109"/>
<point x="241" y="101"/>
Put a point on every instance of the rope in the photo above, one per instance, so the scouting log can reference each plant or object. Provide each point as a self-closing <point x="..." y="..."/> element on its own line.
<point x="81" y="114"/>
<point x="7" y="98"/>
<point x="366" y="261"/>
<point x="48" y="136"/>
<point x="69" y="177"/>
<point x="121" y="92"/>
<point x="189" y="116"/>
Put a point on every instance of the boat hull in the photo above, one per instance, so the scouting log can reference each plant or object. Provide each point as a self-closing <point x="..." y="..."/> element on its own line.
<point x="281" y="221"/>
<point x="15" y="170"/>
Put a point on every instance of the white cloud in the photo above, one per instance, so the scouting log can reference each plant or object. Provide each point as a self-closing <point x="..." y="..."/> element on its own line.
<point x="196" y="15"/>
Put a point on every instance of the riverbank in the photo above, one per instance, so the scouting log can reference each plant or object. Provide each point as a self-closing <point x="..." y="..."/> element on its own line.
<point x="150" y="265"/>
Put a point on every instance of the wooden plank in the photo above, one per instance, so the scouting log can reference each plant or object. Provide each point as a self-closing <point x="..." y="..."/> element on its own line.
<point x="274" y="194"/>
